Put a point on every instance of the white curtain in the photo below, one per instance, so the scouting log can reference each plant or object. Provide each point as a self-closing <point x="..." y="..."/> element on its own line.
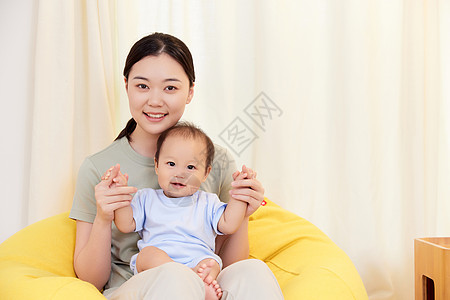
<point x="341" y="107"/>
<point x="76" y="98"/>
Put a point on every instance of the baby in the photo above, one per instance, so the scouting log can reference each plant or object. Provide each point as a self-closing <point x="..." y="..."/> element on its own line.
<point x="179" y="222"/>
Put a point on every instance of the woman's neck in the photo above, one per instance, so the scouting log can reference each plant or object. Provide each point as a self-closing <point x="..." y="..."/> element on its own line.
<point x="143" y="142"/>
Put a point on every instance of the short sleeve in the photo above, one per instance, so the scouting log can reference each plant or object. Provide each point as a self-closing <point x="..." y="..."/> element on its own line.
<point x="216" y="211"/>
<point x="138" y="206"/>
<point x="84" y="207"/>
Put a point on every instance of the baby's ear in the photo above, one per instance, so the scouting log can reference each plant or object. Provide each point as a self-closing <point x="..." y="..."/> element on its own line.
<point x="207" y="171"/>
<point x="156" y="166"/>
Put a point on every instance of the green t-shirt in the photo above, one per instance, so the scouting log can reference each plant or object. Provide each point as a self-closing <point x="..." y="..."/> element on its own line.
<point x="141" y="171"/>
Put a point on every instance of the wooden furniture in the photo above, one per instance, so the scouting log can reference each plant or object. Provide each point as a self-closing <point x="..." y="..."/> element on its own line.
<point x="432" y="268"/>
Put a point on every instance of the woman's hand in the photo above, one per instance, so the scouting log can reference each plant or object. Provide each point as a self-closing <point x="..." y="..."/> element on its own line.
<point x="245" y="187"/>
<point x="112" y="193"/>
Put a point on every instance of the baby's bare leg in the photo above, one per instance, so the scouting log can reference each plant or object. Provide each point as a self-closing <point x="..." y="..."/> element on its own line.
<point x="151" y="257"/>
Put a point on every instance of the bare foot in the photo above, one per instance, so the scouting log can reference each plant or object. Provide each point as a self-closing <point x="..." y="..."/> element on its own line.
<point x="208" y="270"/>
<point x="213" y="291"/>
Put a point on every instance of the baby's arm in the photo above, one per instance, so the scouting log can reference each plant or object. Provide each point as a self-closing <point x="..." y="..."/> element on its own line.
<point x="234" y="214"/>
<point x="232" y="217"/>
<point x="123" y="217"/>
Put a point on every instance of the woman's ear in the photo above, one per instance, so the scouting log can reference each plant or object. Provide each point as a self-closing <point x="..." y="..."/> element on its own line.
<point x="191" y="94"/>
<point x="126" y="83"/>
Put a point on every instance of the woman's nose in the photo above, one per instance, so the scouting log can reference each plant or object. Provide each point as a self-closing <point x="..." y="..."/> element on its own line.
<point x="154" y="99"/>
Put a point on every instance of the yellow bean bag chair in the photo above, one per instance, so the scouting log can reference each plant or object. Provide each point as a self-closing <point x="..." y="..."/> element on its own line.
<point x="37" y="262"/>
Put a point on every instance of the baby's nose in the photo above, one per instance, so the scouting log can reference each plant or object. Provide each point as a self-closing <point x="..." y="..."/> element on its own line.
<point x="181" y="175"/>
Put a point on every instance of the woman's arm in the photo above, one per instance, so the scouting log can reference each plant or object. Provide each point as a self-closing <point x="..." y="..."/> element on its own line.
<point x="92" y="257"/>
<point x="235" y="247"/>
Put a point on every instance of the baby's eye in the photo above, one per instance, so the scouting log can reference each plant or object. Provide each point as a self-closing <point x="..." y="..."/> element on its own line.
<point x="191" y="167"/>
<point x="171" y="163"/>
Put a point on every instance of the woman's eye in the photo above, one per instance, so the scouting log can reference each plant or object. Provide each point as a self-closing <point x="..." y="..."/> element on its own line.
<point x="142" y="86"/>
<point x="171" y="88"/>
<point x="171" y="163"/>
<point x="191" y="167"/>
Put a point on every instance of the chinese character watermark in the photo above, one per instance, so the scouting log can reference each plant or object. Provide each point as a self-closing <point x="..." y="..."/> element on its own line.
<point x="262" y="110"/>
<point x="238" y="136"/>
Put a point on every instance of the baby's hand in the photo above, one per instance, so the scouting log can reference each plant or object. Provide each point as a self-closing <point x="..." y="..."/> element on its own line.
<point x="245" y="187"/>
<point x="112" y="193"/>
<point x="119" y="180"/>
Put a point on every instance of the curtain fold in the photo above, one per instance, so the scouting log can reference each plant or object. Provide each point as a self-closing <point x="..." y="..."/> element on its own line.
<point x="74" y="99"/>
<point x="354" y="107"/>
<point x="52" y="136"/>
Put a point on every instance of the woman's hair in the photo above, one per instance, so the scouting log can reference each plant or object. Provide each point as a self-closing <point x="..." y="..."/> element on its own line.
<point x="154" y="45"/>
<point x="188" y="131"/>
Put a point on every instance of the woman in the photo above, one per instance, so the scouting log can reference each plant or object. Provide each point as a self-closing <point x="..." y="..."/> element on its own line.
<point x="159" y="80"/>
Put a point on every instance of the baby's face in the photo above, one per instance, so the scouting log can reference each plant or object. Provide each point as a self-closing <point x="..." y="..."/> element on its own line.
<point x="181" y="167"/>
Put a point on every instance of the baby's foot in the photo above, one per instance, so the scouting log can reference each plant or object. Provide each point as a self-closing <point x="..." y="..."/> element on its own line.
<point x="206" y="271"/>
<point x="213" y="291"/>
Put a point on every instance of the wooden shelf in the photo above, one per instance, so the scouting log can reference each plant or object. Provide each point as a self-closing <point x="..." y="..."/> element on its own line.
<point x="432" y="268"/>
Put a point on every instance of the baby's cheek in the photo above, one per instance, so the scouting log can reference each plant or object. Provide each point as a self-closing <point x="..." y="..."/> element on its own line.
<point x="194" y="182"/>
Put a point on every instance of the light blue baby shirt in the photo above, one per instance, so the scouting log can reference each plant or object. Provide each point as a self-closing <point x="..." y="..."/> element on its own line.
<point x="185" y="228"/>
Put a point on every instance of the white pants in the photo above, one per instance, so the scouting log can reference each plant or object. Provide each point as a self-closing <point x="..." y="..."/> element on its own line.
<point x="244" y="280"/>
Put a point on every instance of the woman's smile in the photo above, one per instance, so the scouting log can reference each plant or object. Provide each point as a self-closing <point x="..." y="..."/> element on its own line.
<point x="155" y="117"/>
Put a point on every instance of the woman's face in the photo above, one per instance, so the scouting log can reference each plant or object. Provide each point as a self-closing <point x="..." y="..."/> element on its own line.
<point x="158" y="90"/>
